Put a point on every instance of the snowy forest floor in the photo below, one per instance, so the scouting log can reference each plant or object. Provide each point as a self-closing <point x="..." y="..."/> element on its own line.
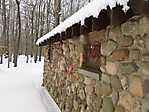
<point x="20" y="89"/>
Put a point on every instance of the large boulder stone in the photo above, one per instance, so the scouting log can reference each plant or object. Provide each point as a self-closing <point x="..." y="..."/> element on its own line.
<point x="130" y="28"/>
<point x="116" y="83"/>
<point x="75" y="104"/>
<point x="124" y="82"/>
<point x="112" y="68"/>
<point x="103" y="89"/>
<point x="82" y="108"/>
<point x="146" y="41"/>
<point x="136" y="86"/>
<point x="108" y="47"/>
<point x="97" y="103"/>
<point x="89" y="81"/>
<point x="134" y="54"/>
<point x="146" y="86"/>
<point x="119" y="108"/>
<point x="120" y="55"/>
<point x="107" y="104"/>
<point x="126" y="41"/>
<point x="127" y="101"/>
<point x="115" y="97"/>
<point x="145" y="105"/>
<point x="106" y="78"/>
<point x="68" y="104"/>
<point x="145" y="68"/>
<point x="81" y="94"/>
<point x="145" y="56"/>
<point x="128" y="68"/>
<point x="89" y="89"/>
<point x="144" y="25"/>
<point x="102" y="60"/>
<point x="94" y="104"/>
<point x="89" y="99"/>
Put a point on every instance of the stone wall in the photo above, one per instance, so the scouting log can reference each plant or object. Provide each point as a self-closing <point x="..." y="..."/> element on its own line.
<point x="124" y="84"/>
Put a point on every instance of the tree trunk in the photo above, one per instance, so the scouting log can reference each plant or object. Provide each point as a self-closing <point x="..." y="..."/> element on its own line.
<point x="8" y="39"/>
<point x="19" y="34"/>
<point x="32" y="31"/>
<point x="4" y="27"/>
<point x="40" y="53"/>
<point x="57" y="9"/>
<point x="1" y="59"/>
<point x="38" y="16"/>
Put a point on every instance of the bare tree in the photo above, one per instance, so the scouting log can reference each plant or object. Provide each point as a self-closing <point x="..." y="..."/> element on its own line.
<point x="4" y="26"/>
<point x="19" y="33"/>
<point x="24" y="21"/>
<point x="56" y="11"/>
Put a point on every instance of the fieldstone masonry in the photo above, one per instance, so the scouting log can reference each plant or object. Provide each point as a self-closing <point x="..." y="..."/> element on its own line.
<point x="124" y="84"/>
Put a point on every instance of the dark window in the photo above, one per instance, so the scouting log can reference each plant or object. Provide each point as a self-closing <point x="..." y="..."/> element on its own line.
<point x="92" y="56"/>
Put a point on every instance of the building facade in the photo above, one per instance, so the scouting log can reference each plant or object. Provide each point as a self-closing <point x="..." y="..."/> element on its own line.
<point x="104" y="70"/>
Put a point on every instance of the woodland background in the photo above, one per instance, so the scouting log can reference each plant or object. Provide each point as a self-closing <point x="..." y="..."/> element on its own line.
<point x="22" y="22"/>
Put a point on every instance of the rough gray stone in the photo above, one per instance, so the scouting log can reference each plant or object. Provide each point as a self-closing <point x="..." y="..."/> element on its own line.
<point x="89" y="100"/>
<point x="119" y="108"/>
<point x="130" y="28"/>
<point x="144" y="25"/>
<point x="68" y="104"/>
<point x="126" y="41"/>
<point x="112" y="68"/>
<point x="145" y="56"/>
<point x="82" y="94"/>
<point x="89" y="89"/>
<point x="145" y="105"/>
<point x="88" y="81"/>
<point x="116" y="83"/>
<point x="146" y="86"/>
<point x="124" y="82"/>
<point x="145" y="68"/>
<point x="139" y="42"/>
<point x="146" y="41"/>
<point x="75" y="104"/>
<point x="106" y="78"/>
<point x="127" y="68"/>
<point x="102" y="60"/>
<point x="115" y="97"/>
<point x="103" y="89"/>
<point x="108" y="47"/>
<point x="134" y="54"/>
<point x="90" y="74"/>
<point x="82" y="108"/>
<point x="103" y="68"/>
<point x="127" y="101"/>
<point x="107" y="104"/>
<point x="94" y="102"/>
<point x="89" y="109"/>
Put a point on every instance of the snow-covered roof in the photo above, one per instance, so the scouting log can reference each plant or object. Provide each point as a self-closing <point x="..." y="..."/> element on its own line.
<point x="92" y="9"/>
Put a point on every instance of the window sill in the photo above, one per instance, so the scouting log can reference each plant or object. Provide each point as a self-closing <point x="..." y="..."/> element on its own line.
<point x="90" y="74"/>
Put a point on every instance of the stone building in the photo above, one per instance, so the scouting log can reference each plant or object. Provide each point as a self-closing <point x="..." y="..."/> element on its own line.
<point x="100" y="64"/>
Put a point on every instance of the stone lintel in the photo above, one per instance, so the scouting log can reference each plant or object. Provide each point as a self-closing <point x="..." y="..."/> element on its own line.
<point x="90" y="74"/>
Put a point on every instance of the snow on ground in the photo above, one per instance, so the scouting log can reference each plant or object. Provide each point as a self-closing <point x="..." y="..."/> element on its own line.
<point x="20" y="89"/>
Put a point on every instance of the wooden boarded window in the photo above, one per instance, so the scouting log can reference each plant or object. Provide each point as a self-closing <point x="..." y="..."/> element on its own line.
<point x="91" y="56"/>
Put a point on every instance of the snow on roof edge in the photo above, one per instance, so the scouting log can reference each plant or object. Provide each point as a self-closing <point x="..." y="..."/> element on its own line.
<point x="91" y="9"/>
